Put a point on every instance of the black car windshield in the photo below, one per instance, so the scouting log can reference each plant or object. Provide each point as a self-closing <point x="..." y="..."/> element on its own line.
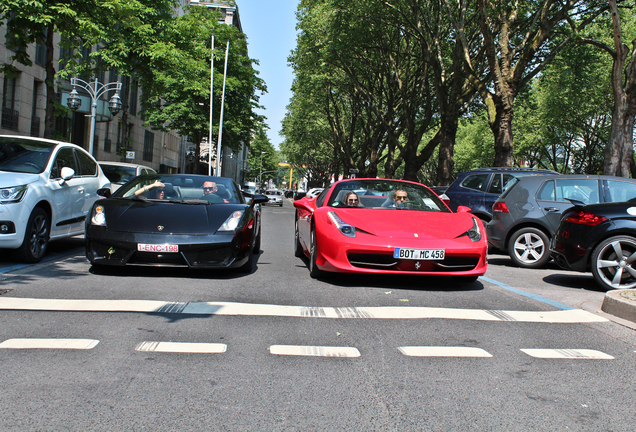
<point x="182" y="188"/>
<point x="385" y="194"/>
<point x="24" y="155"/>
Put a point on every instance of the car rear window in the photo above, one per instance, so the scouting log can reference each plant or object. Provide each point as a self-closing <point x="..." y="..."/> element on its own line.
<point x="475" y="181"/>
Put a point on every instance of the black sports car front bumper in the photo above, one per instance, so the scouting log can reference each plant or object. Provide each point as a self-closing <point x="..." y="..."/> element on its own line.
<point x="104" y="247"/>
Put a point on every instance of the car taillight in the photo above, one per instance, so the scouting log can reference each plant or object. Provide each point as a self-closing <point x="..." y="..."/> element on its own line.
<point x="500" y="207"/>
<point x="584" y="218"/>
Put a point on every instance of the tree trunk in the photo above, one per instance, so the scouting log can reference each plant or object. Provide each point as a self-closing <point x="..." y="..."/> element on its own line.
<point x="49" y="112"/>
<point x="502" y="130"/>
<point x="446" y="158"/>
<point x="619" y="152"/>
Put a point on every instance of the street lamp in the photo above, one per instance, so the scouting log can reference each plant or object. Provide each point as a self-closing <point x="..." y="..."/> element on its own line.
<point x="95" y="90"/>
<point x="260" y="176"/>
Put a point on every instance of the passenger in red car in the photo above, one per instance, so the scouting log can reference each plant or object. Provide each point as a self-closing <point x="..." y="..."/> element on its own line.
<point x="351" y="199"/>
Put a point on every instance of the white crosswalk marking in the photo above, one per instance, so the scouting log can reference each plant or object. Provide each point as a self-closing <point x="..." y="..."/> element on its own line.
<point x="431" y="351"/>
<point x="34" y="343"/>
<point x="315" y="351"/>
<point x="248" y="309"/>
<point x="182" y="347"/>
<point x="567" y="354"/>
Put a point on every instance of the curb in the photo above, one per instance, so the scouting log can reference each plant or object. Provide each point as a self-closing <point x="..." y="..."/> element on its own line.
<point x="621" y="303"/>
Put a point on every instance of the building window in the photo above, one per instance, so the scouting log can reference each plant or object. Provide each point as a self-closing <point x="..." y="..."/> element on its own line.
<point x="35" y="120"/>
<point x="40" y="52"/>
<point x="149" y="139"/>
<point x="9" y="114"/>
<point x="107" y="139"/>
<point x="132" y="108"/>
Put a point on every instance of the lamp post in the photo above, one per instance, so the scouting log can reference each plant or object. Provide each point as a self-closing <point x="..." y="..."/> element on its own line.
<point x="260" y="176"/>
<point x="95" y="90"/>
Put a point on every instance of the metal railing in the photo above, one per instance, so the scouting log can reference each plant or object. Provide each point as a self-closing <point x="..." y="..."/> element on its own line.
<point x="10" y="118"/>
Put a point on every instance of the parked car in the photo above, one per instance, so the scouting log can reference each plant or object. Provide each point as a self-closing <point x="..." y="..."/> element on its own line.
<point x="381" y="234"/>
<point x="526" y="216"/>
<point x="167" y="220"/>
<point x="299" y="194"/>
<point x="47" y="188"/>
<point x="314" y="192"/>
<point x="274" y="197"/>
<point x="600" y="238"/>
<point x="479" y="189"/>
<point x="120" y="172"/>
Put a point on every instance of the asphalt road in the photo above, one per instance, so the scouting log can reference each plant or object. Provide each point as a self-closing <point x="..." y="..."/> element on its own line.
<point x="172" y="349"/>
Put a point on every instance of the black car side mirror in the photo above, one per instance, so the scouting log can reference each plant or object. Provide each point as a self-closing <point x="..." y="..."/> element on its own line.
<point x="259" y="199"/>
<point x="104" y="192"/>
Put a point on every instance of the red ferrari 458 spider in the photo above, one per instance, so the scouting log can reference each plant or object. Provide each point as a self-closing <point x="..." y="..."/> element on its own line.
<point x="388" y="226"/>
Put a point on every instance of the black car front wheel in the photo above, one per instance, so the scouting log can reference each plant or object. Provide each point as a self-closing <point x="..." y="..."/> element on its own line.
<point x="529" y="248"/>
<point x="314" y="271"/>
<point x="613" y="263"/>
<point x="36" y="237"/>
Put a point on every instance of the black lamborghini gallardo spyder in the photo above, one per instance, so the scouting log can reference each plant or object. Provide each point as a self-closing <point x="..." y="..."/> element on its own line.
<point x="183" y="220"/>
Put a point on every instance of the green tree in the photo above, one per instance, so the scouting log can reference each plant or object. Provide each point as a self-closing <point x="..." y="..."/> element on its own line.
<point x="80" y="24"/>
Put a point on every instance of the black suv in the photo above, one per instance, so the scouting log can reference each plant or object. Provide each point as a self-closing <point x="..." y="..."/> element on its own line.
<point x="480" y="188"/>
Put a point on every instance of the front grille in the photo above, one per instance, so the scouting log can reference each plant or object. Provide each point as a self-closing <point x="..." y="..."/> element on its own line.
<point x="388" y="262"/>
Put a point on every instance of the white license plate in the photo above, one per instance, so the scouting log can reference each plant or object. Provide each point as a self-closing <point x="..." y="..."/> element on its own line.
<point x="419" y="254"/>
<point x="142" y="247"/>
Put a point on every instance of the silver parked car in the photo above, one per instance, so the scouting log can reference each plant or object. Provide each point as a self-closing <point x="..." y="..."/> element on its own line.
<point x="275" y="197"/>
<point x="47" y="188"/>
<point x="527" y="214"/>
<point x="120" y="172"/>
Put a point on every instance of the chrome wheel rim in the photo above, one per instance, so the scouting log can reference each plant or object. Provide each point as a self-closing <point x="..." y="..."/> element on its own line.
<point x="529" y="248"/>
<point x="615" y="264"/>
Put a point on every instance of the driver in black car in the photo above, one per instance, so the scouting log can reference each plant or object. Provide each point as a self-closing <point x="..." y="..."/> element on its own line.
<point x="210" y="193"/>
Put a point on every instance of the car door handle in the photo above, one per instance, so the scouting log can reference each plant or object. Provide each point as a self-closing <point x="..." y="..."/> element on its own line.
<point x="81" y="190"/>
<point x="552" y="209"/>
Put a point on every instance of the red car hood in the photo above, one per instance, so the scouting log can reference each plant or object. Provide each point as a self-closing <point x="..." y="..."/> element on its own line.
<point x="406" y="223"/>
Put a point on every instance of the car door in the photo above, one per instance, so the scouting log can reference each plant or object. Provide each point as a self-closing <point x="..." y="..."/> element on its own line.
<point x="553" y="195"/>
<point x="89" y="181"/>
<point x="67" y="198"/>
<point x="470" y="192"/>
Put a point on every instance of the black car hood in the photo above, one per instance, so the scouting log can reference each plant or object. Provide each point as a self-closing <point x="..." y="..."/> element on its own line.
<point x="166" y="217"/>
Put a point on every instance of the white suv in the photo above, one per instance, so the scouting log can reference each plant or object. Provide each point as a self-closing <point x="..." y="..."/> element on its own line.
<point x="47" y="188"/>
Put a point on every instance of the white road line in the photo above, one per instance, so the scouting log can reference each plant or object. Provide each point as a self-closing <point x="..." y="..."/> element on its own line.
<point x="182" y="347"/>
<point x="248" y="309"/>
<point x="441" y="351"/>
<point x="315" y="351"/>
<point x="78" y="344"/>
<point x="567" y="354"/>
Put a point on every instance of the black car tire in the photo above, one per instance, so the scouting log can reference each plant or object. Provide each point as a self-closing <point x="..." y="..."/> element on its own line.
<point x="36" y="237"/>
<point x="465" y="279"/>
<point x="257" y="243"/>
<point x="247" y="267"/>
<point x="298" y="249"/>
<point x="314" y="271"/>
<point x="529" y="248"/>
<point x="610" y="263"/>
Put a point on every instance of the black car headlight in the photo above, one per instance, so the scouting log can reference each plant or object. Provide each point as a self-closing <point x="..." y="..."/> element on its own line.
<point x="13" y="194"/>
<point x="98" y="217"/>
<point x="231" y="222"/>
<point x="344" y="228"/>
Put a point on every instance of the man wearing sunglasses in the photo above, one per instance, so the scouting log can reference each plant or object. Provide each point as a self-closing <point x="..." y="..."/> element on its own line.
<point x="400" y="199"/>
<point x="210" y="193"/>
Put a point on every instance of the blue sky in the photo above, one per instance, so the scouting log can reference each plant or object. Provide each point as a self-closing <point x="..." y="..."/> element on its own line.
<point x="270" y="28"/>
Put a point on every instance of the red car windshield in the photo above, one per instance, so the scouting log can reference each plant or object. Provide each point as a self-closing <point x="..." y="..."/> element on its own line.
<point x="389" y="194"/>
